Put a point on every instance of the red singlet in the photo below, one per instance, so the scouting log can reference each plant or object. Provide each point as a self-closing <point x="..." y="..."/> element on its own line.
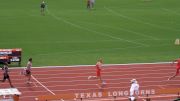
<point x="98" y="70"/>
<point x="177" y="66"/>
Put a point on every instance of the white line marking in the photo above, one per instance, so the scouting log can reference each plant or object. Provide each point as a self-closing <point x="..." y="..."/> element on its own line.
<point x="57" y="74"/>
<point x="124" y="98"/>
<point x="119" y="28"/>
<point x="99" y="33"/>
<point x="43" y="85"/>
<point x="92" y="81"/>
<point x="152" y="63"/>
<point x="119" y="83"/>
<point x="105" y="71"/>
<point x="172" y="11"/>
<point x="35" y="84"/>
<point x="107" y="65"/>
<point x="106" y="88"/>
<point x="140" y="21"/>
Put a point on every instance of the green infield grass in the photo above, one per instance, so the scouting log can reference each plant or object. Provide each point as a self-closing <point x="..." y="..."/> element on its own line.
<point x="119" y="31"/>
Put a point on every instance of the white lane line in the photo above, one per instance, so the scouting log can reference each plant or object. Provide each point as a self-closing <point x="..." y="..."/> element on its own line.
<point x="105" y="72"/>
<point x="128" y="64"/>
<point x="125" y="98"/>
<point x="110" y="80"/>
<point x="82" y="79"/>
<point x="107" y="88"/>
<point x="113" y="75"/>
<point x="43" y="85"/>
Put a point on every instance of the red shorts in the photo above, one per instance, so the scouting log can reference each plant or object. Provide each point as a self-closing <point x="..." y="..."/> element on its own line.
<point x="98" y="73"/>
<point x="177" y="71"/>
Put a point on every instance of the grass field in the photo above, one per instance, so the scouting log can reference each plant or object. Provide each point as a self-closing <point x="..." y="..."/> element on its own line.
<point x="119" y="31"/>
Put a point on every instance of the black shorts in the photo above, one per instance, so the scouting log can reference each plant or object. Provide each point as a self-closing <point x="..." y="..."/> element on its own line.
<point x="6" y="76"/>
<point x="28" y="72"/>
<point x="42" y="5"/>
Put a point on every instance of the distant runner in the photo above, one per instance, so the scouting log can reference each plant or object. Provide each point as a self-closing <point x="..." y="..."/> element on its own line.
<point x="177" y="68"/>
<point x="28" y="70"/>
<point x="42" y="6"/>
<point x="98" y="73"/>
<point x="6" y="74"/>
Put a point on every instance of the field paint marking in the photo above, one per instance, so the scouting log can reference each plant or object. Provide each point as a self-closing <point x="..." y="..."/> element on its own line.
<point x="172" y="11"/>
<point x="115" y="86"/>
<point x="35" y="84"/>
<point x="91" y="50"/>
<point x="99" y="33"/>
<point x="155" y="85"/>
<point x="43" y="85"/>
<point x="125" y="98"/>
<point x="139" y="21"/>
<point x="119" y="28"/>
<point x="95" y="50"/>
<point x="106" y="88"/>
<point x="139" y="98"/>
<point x="161" y="87"/>
<point x="86" y="41"/>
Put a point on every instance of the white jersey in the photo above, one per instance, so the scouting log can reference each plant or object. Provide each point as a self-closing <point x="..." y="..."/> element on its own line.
<point x="134" y="89"/>
<point x="5" y="69"/>
<point x="92" y="1"/>
<point x="29" y="65"/>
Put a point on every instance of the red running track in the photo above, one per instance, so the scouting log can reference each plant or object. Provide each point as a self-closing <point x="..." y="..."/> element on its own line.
<point x="73" y="79"/>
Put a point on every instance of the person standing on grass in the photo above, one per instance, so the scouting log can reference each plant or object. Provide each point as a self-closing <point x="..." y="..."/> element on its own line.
<point x="42" y="6"/>
<point x="177" y="68"/>
<point x="28" y="70"/>
<point x="92" y="3"/>
<point x="6" y="74"/>
<point x="88" y="4"/>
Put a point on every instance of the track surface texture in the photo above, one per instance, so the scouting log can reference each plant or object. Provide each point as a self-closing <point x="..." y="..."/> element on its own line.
<point x="73" y="80"/>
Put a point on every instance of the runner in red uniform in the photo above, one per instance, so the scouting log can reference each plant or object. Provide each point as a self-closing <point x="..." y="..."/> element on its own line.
<point x="101" y="82"/>
<point x="98" y="67"/>
<point x="177" y="68"/>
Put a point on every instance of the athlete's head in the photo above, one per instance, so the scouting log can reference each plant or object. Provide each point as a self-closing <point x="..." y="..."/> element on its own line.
<point x="100" y="60"/>
<point x="30" y="59"/>
<point x="6" y="63"/>
<point x="133" y="81"/>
